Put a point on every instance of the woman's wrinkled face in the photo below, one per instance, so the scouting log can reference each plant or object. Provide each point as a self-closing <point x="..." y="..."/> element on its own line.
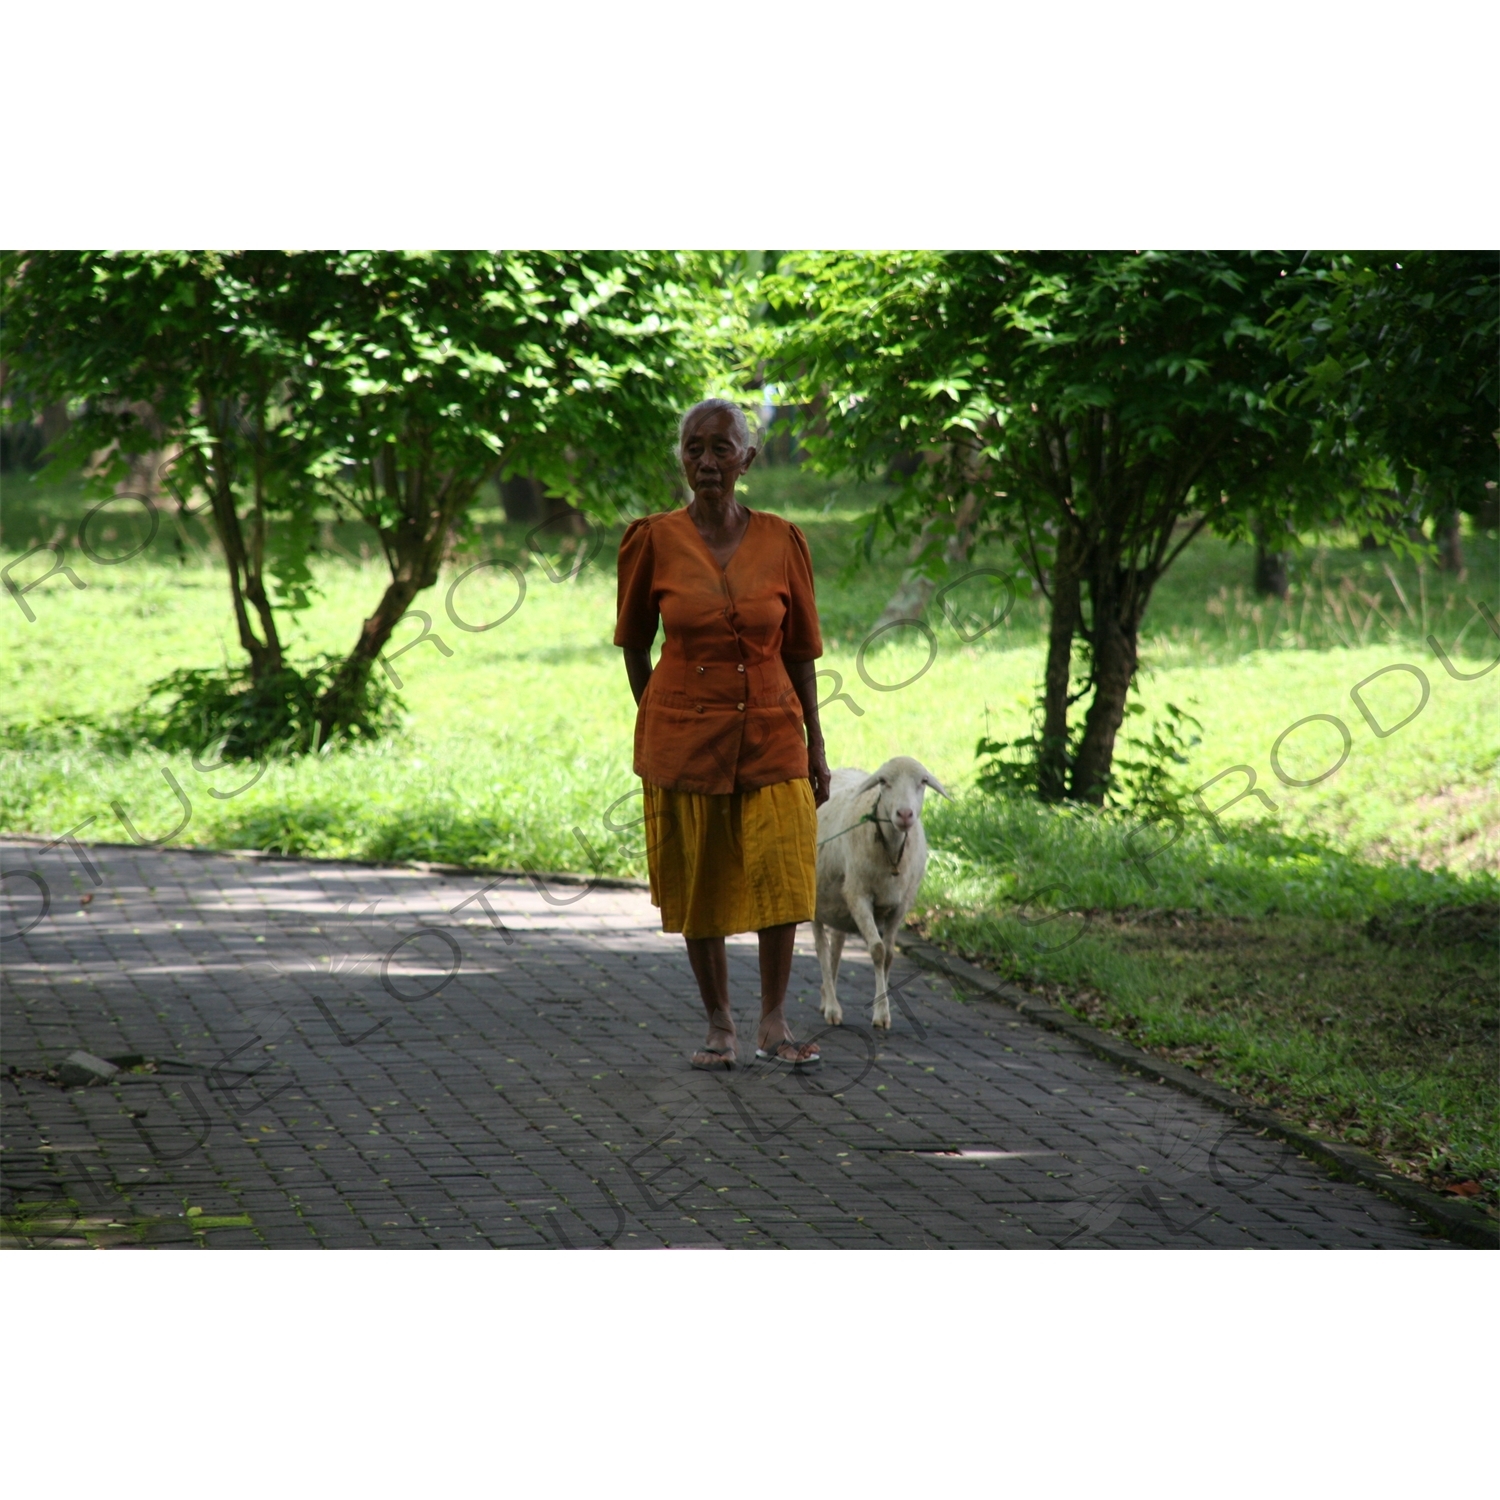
<point x="713" y="457"/>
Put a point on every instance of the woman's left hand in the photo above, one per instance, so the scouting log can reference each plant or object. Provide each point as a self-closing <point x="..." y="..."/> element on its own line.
<point x="817" y="772"/>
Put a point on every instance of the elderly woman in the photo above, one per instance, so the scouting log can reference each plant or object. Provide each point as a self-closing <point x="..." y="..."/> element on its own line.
<point x="727" y="741"/>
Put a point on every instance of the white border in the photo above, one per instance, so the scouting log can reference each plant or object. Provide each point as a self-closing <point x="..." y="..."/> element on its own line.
<point x="683" y="1373"/>
<point x="663" y="123"/>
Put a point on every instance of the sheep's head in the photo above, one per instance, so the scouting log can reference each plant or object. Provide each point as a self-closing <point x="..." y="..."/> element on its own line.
<point x="903" y="784"/>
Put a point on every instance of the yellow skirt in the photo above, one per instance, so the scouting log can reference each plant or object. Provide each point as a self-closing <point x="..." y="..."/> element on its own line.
<point x="733" y="863"/>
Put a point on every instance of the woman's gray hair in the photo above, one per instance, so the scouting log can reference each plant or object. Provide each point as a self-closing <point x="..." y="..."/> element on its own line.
<point x="716" y="403"/>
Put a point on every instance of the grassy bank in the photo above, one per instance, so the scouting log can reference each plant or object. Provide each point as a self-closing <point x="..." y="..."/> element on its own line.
<point x="1359" y="998"/>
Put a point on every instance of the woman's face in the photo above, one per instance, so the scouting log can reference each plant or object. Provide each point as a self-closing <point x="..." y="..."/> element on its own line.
<point x="712" y="457"/>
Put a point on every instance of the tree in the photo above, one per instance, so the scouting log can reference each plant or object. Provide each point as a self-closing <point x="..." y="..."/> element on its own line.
<point x="425" y="373"/>
<point x="1099" y="409"/>
<point x="1395" y="357"/>
<point x="1270" y="565"/>
<point x="185" y="337"/>
<point x="390" y="385"/>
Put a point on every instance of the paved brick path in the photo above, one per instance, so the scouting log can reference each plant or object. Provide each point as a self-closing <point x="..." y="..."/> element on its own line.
<point x="349" y="1056"/>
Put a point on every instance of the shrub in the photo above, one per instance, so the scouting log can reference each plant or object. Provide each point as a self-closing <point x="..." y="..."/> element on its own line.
<point x="1142" y="783"/>
<point x="278" y="716"/>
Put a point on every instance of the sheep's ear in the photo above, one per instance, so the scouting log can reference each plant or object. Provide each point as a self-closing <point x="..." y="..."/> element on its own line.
<point x="928" y="779"/>
<point x="869" y="781"/>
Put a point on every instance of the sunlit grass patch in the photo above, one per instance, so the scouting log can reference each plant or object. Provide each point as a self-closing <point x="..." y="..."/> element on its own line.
<point x="524" y="732"/>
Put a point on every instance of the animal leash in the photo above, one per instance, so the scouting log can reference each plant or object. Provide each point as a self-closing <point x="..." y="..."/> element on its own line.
<point x="870" y="817"/>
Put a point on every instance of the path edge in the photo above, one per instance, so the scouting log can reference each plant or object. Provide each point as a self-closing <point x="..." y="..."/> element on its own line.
<point x="1464" y="1223"/>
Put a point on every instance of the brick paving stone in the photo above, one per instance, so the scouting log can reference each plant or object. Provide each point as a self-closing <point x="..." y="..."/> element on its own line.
<point x="411" y="1076"/>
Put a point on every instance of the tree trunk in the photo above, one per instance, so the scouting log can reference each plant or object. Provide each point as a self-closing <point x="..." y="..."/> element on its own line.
<point x="414" y="548"/>
<point x="522" y="499"/>
<point x="562" y="517"/>
<point x="1270" y="568"/>
<point x="527" y="501"/>
<point x="54" y="422"/>
<point x="1117" y="607"/>
<point x="340" y="704"/>
<point x="1487" y="514"/>
<point x="244" y="563"/>
<point x="1052" y="758"/>
<point x="902" y="466"/>
<point x="1445" y="530"/>
<point x="1114" y="670"/>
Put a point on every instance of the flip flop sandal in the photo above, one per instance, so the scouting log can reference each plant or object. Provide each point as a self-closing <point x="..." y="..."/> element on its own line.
<point x="725" y="1063"/>
<point x="773" y="1055"/>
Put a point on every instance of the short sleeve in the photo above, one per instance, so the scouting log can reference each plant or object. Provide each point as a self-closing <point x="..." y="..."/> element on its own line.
<point x="801" y="638"/>
<point x="636" y="620"/>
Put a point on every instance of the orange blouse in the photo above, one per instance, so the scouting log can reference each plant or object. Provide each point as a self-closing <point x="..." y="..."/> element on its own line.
<point x="720" y="713"/>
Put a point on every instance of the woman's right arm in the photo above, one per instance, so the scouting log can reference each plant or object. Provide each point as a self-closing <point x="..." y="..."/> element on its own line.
<point x="637" y="618"/>
<point x="638" y="670"/>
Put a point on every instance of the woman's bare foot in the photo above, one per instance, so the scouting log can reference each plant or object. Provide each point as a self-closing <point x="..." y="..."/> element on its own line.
<point x="718" y="1050"/>
<point x="775" y="1037"/>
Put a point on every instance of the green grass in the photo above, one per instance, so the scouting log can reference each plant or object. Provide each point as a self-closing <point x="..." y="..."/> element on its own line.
<point x="524" y="732"/>
<point x="517" y="749"/>
<point x="1000" y="851"/>
<point x="1391" y="1047"/>
<point x="1265" y="961"/>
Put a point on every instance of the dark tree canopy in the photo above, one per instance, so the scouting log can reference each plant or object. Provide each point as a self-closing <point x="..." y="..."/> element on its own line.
<point x="1397" y="356"/>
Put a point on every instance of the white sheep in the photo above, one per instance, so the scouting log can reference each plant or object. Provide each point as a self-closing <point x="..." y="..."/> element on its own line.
<point x="872" y="854"/>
